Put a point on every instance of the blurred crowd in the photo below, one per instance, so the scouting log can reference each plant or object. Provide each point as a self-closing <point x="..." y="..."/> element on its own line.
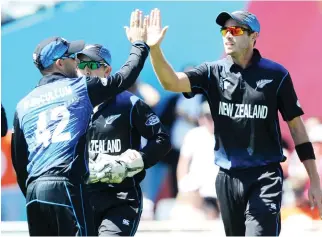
<point x="13" y="10"/>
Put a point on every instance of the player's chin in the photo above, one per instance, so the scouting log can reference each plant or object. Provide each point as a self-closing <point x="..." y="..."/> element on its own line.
<point x="229" y="51"/>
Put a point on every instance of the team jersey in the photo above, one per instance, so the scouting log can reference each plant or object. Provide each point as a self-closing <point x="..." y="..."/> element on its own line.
<point x="244" y="105"/>
<point x="51" y="121"/>
<point x="118" y="125"/>
<point x="53" y="118"/>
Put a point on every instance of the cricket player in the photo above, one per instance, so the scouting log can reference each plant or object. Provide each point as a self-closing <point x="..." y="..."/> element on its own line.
<point x="117" y="126"/>
<point x="48" y="143"/>
<point x="245" y="91"/>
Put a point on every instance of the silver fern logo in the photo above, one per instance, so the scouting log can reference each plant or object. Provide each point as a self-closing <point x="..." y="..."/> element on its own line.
<point x="111" y="119"/>
<point x="261" y="83"/>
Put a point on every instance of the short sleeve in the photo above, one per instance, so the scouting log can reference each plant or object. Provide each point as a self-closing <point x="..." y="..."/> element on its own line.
<point x="199" y="80"/>
<point x="287" y="101"/>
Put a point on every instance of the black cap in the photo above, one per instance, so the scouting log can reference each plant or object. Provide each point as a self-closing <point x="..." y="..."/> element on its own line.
<point x="243" y="17"/>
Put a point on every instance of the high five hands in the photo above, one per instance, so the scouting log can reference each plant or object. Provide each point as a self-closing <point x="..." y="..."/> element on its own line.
<point x="148" y="28"/>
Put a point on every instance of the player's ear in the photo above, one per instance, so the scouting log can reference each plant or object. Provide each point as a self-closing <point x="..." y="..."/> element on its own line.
<point x="59" y="63"/>
<point x="254" y="36"/>
<point x="107" y="71"/>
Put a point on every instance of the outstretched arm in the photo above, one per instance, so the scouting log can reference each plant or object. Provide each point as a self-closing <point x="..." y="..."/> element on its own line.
<point x="169" y="79"/>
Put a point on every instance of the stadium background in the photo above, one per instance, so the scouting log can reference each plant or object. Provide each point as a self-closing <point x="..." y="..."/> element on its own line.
<point x="291" y="34"/>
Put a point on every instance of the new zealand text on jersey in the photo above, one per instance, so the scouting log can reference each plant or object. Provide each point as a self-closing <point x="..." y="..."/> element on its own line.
<point x="102" y="146"/>
<point x="243" y="110"/>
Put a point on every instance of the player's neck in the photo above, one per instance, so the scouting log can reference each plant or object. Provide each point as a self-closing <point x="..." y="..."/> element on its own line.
<point x="243" y="59"/>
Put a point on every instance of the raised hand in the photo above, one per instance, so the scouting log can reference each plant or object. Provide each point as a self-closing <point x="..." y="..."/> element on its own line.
<point x="138" y="27"/>
<point x="155" y="32"/>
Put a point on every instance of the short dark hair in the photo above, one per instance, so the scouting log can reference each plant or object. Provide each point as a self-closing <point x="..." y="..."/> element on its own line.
<point x="47" y="70"/>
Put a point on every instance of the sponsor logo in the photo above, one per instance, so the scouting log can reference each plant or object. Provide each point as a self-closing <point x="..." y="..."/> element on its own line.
<point x="126" y="222"/>
<point x="152" y="120"/>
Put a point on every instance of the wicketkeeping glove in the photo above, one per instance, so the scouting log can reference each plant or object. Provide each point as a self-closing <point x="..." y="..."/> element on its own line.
<point x="106" y="169"/>
<point x="133" y="162"/>
<point x="114" y="169"/>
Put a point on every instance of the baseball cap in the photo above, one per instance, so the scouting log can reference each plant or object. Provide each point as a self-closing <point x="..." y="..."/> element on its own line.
<point x="51" y="49"/>
<point x="242" y="17"/>
<point x="97" y="53"/>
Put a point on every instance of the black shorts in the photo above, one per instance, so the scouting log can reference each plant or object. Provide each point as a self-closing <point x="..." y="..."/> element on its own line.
<point x="250" y="200"/>
<point x="117" y="212"/>
<point x="57" y="207"/>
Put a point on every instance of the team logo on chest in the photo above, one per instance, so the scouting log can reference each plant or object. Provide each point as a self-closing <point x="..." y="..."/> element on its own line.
<point x="261" y="83"/>
<point x="111" y="119"/>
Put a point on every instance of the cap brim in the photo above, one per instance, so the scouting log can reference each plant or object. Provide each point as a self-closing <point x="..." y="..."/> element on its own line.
<point x="225" y="16"/>
<point x="91" y="54"/>
<point x="76" y="46"/>
<point x="222" y="18"/>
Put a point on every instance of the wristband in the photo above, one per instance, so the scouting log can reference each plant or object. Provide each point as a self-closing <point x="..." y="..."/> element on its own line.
<point x="305" y="151"/>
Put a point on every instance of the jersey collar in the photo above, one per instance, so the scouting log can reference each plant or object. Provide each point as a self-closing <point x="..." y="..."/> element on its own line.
<point x="254" y="60"/>
<point x="51" y="78"/>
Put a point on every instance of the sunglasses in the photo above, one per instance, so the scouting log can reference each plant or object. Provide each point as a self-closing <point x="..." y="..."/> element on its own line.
<point x="65" y="56"/>
<point x="93" y="65"/>
<point x="234" y="30"/>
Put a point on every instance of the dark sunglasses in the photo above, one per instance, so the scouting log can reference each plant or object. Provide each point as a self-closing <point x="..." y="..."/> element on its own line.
<point x="235" y="30"/>
<point x="93" y="65"/>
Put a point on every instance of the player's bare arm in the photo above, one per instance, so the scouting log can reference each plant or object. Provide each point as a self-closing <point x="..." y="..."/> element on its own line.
<point x="169" y="79"/>
<point x="301" y="139"/>
<point x="298" y="131"/>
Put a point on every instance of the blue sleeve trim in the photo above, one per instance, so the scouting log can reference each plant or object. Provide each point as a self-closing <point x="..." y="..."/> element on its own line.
<point x="281" y="83"/>
<point x="46" y="202"/>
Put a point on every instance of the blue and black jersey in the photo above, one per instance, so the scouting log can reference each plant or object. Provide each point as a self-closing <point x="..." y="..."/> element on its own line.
<point x="244" y="105"/>
<point x="118" y="125"/>
<point x="51" y="121"/>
